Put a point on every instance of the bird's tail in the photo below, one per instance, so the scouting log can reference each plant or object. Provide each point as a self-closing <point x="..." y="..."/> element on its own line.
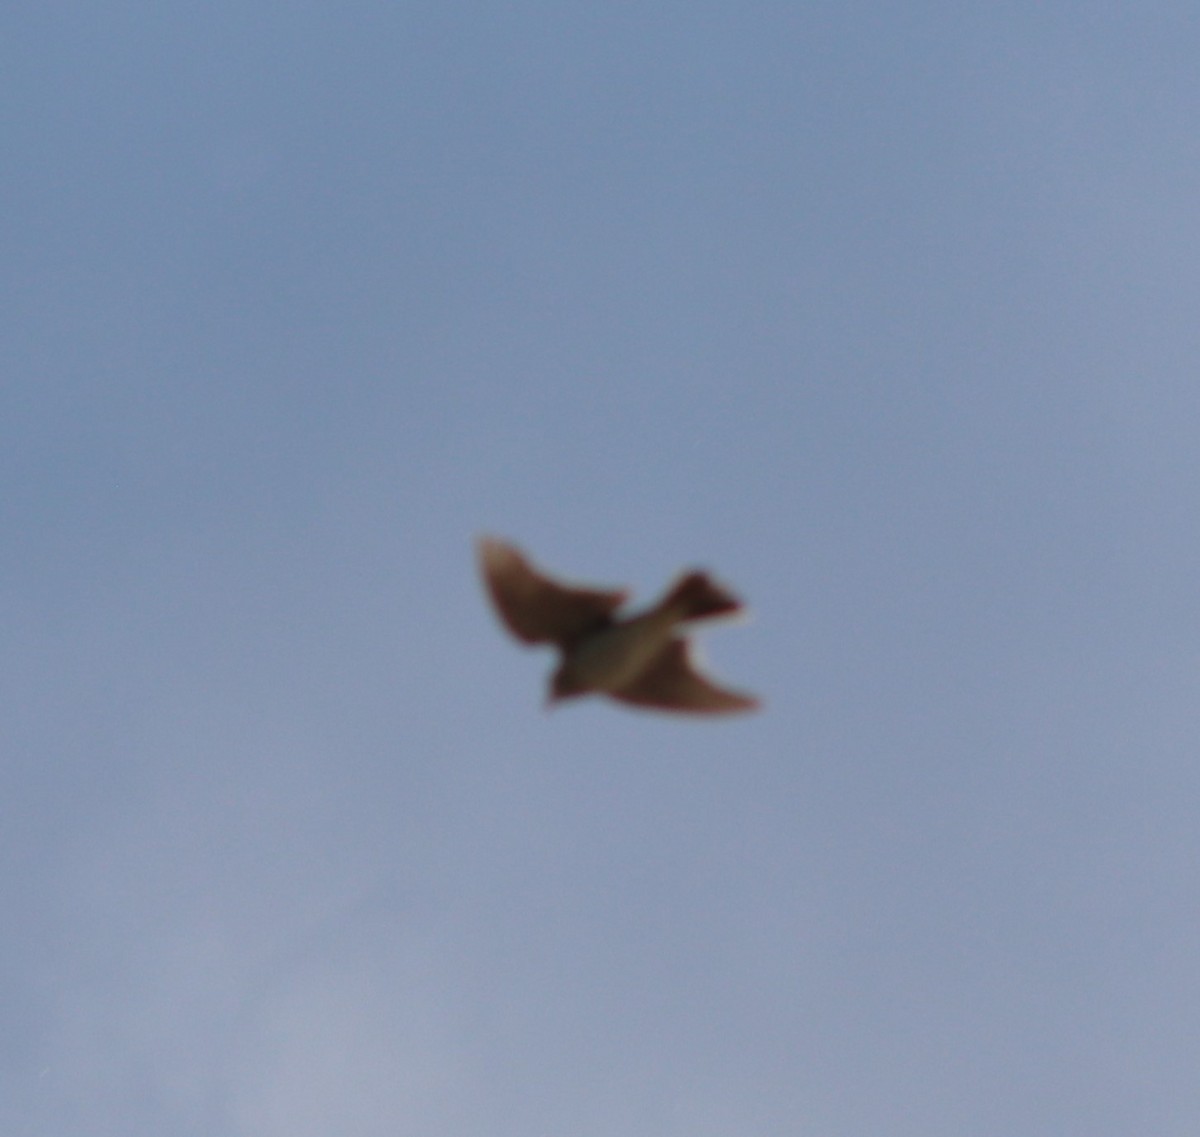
<point x="696" y="596"/>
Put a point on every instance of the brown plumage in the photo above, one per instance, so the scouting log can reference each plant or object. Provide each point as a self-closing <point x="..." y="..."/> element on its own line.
<point x="642" y="660"/>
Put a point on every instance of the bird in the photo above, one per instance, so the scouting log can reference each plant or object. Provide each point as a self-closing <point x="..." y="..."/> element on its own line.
<point x="643" y="660"/>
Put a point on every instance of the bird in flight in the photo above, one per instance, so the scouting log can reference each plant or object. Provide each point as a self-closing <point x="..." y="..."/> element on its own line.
<point x="644" y="659"/>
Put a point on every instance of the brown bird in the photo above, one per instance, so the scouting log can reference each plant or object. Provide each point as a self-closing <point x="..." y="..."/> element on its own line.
<point x="642" y="659"/>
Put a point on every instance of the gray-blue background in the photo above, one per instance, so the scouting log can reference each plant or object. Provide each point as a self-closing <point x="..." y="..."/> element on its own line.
<point x="889" y="314"/>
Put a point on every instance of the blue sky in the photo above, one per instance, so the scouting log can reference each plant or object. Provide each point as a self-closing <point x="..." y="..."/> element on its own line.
<point x="886" y="316"/>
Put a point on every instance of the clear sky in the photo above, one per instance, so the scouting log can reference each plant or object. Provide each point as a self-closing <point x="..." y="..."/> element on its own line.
<point x="888" y="314"/>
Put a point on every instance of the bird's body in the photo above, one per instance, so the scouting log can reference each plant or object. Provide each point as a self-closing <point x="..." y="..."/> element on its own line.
<point x="642" y="660"/>
<point x="615" y="656"/>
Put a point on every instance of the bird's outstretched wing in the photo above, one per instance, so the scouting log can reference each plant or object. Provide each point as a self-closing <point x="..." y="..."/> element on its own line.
<point x="672" y="683"/>
<point x="537" y="609"/>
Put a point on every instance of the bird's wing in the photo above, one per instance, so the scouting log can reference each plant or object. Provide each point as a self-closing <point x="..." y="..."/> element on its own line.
<point x="672" y="683"/>
<point x="537" y="609"/>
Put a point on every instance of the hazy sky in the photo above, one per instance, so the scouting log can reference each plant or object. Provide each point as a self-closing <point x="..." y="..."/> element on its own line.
<point x="888" y="314"/>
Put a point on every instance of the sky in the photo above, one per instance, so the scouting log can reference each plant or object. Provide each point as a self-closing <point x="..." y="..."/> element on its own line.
<point x="886" y="314"/>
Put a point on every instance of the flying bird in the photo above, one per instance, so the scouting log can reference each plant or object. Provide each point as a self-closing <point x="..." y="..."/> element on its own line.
<point x="644" y="659"/>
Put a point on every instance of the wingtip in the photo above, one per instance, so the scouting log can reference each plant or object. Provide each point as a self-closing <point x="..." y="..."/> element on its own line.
<point x="495" y="553"/>
<point x="485" y="542"/>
